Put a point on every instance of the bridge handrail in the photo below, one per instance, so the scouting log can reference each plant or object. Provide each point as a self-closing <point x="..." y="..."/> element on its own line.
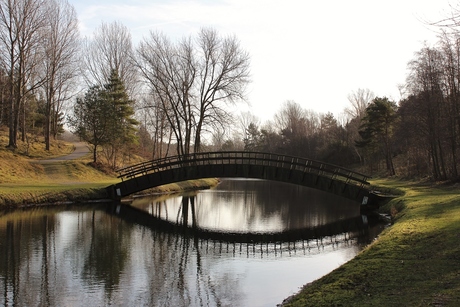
<point x="245" y="158"/>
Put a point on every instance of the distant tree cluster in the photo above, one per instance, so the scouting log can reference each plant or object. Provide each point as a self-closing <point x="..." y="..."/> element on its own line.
<point x="417" y="137"/>
<point x="299" y="132"/>
<point x="429" y="118"/>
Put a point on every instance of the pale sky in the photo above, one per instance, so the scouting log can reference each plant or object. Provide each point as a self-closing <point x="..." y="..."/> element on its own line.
<point x="313" y="52"/>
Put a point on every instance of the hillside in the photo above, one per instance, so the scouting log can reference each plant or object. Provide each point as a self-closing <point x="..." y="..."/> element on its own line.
<point x="25" y="179"/>
<point x="29" y="175"/>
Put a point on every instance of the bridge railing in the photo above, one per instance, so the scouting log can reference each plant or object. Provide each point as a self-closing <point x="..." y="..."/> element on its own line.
<point x="245" y="158"/>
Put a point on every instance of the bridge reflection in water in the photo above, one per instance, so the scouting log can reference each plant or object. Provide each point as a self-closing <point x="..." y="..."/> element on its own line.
<point x="356" y="230"/>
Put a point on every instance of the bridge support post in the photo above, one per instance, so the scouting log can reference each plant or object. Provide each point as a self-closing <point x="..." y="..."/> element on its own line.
<point x="113" y="192"/>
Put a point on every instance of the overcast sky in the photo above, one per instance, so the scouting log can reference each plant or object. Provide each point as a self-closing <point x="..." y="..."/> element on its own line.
<point x="312" y="52"/>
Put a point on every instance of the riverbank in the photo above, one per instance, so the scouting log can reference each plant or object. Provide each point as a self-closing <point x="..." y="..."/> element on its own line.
<point x="20" y="196"/>
<point x="415" y="262"/>
<point x="31" y="176"/>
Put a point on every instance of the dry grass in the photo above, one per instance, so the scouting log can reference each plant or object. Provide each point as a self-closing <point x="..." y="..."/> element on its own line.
<point x="24" y="180"/>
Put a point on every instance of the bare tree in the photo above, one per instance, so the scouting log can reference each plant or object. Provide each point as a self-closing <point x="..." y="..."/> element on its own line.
<point x="451" y="21"/>
<point x="297" y="127"/>
<point x="155" y="122"/>
<point x="22" y="23"/>
<point x="359" y="101"/>
<point x="170" y="74"/>
<point x="292" y="119"/>
<point x="194" y="83"/>
<point x="246" y="119"/>
<point x="223" y="72"/>
<point x="426" y="81"/>
<point x="110" y="49"/>
<point x="450" y="48"/>
<point x="60" y="41"/>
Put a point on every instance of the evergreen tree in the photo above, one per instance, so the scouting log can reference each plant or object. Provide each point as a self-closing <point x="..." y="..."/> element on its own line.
<point x="377" y="129"/>
<point x="91" y="120"/>
<point x="123" y="125"/>
<point x="252" y="139"/>
<point x="104" y="118"/>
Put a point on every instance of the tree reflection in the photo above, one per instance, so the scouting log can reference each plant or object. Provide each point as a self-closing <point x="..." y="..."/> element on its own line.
<point x="108" y="252"/>
<point x="27" y="248"/>
<point x="253" y="206"/>
<point x="84" y="256"/>
<point x="178" y="274"/>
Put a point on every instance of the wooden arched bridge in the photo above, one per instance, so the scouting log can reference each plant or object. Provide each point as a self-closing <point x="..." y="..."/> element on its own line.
<point x="234" y="164"/>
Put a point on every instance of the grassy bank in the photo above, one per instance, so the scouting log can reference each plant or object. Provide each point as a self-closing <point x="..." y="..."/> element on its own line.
<point x="415" y="262"/>
<point x="23" y="195"/>
<point x="25" y="181"/>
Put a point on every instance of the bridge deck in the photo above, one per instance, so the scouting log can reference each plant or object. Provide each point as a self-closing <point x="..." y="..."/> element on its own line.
<point x="246" y="158"/>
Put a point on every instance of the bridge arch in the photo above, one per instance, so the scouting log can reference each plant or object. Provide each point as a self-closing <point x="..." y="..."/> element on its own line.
<point x="240" y="164"/>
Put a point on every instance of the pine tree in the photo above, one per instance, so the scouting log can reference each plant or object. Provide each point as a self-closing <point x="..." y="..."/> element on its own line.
<point x="123" y="125"/>
<point x="377" y="129"/>
<point x="90" y="120"/>
<point x="104" y="118"/>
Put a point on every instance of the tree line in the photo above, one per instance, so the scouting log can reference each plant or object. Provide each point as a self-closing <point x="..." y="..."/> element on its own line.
<point x="164" y="97"/>
<point x="418" y="136"/>
<point x="38" y="54"/>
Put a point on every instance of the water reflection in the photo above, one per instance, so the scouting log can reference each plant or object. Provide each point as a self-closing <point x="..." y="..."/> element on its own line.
<point x="255" y="206"/>
<point x="337" y="232"/>
<point x="99" y="259"/>
<point x="79" y="256"/>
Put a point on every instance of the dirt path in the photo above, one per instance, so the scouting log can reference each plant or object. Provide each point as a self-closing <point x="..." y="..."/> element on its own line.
<point x="81" y="150"/>
<point x="57" y="170"/>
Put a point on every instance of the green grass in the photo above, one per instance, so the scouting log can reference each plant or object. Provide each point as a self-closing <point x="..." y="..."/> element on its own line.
<point x="415" y="262"/>
<point x="12" y="196"/>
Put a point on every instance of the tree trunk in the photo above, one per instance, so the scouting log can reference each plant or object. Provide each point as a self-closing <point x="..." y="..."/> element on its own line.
<point x="95" y="154"/>
<point x="11" y="130"/>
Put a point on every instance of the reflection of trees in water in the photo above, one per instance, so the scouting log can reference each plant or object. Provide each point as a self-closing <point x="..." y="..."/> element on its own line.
<point x="102" y="260"/>
<point x="356" y="229"/>
<point x="72" y="257"/>
<point x="298" y="206"/>
<point x="256" y="205"/>
<point x="27" y="246"/>
<point x="180" y="276"/>
<point x="31" y="260"/>
<point x="108" y="251"/>
<point x="178" y="252"/>
<point x="177" y="274"/>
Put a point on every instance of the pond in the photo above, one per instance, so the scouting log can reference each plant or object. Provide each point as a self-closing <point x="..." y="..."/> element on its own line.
<point x="243" y="243"/>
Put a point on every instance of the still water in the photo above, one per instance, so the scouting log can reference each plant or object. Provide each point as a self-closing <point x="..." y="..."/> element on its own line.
<point x="244" y="243"/>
